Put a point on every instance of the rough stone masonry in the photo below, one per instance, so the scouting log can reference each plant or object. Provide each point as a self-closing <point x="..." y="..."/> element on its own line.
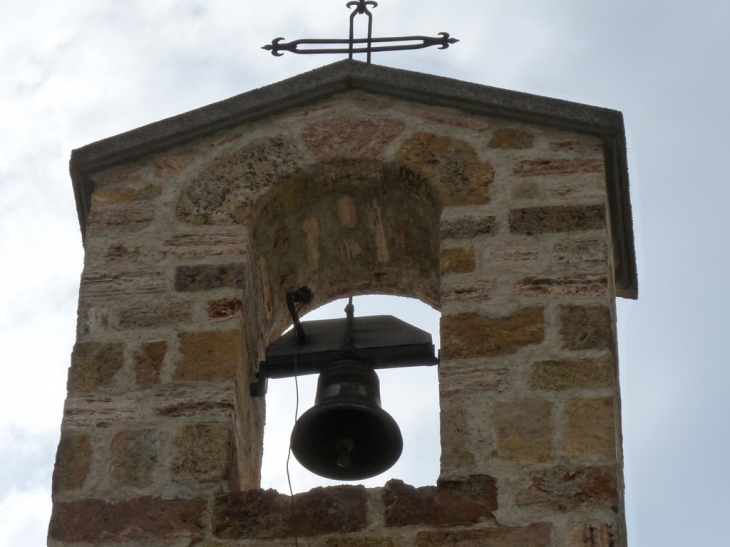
<point x="507" y="212"/>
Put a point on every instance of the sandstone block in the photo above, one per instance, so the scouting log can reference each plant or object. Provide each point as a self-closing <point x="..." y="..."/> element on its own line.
<point x="451" y="503"/>
<point x="524" y="430"/>
<point x="97" y="521"/>
<point x="467" y="227"/>
<point x="73" y="458"/>
<point x="174" y="163"/>
<point x="571" y="285"/>
<point x="592" y="534"/>
<point x="556" y="218"/>
<point x="203" y="453"/>
<point x="266" y="514"/>
<point x="206" y="277"/>
<point x="575" y="145"/>
<point x="450" y="165"/>
<point x="120" y="253"/>
<point x="525" y="190"/>
<point x="449" y="117"/>
<point x="120" y="220"/>
<point x="125" y="195"/>
<point x="208" y="355"/>
<point x="458" y="260"/>
<point x="511" y="138"/>
<point x="465" y="291"/>
<point x="576" y="251"/>
<point x="224" y="308"/>
<point x="203" y="245"/>
<point x="148" y="359"/>
<point x="558" y="374"/>
<point x="155" y="314"/>
<point x="455" y="451"/>
<point x="362" y="541"/>
<point x="569" y="488"/>
<point x="468" y="335"/>
<point x="462" y="377"/>
<point x="531" y="168"/>
<point x="591" y="429"/>
<point x="122" y="285"/>
<point x="514" y="254"/>
<point x="348" y="137"/>
<point x="133" y="457"/>
<point x="586" y="327"/>
<point x="534" y="535"/>
<point x="93" y="365"/>
<point x="224" y="192"/>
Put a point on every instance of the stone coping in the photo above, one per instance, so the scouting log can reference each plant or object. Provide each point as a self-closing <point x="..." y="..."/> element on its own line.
<point x="345" y="75"/>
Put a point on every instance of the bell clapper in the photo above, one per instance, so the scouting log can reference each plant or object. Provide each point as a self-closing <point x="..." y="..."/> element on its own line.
<point x="344" y="447"/>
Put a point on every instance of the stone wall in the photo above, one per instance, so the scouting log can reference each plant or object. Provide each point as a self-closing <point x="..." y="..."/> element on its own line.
<point x="501" y="225"/>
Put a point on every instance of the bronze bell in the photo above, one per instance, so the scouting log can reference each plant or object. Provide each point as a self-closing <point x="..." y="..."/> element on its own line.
<point x="346" y="435"/>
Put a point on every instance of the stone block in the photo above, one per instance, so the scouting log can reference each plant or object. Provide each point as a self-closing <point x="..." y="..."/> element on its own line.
<point x="451" y="117"/>
<point x="532" y="168"/>
<point x="122" y="285"/>
<point x="559" y="374"/>
<point x="509" y="137"/>
<point x="456" y="452"/>
<point x="133" y="457"/>
<point x="462" y="377"/>
<point x="266" y="514"/>
<point x="174" y="162"/>
<point x="224" y="308"/>
<point x="534" y="535"/>
<point x="470" y="334"/>
<point x="465" y="291"/>
<point x="203" y="453"/>
<point x="121" y="253"/>
<point x="458" y="260"/>
<point x="524" y="430"/>
<point x="515" y="254"/>
<point x="349" y="137"/>
<point x="556" y="219"/>
<point x="451" y="503"/>
<point x="586" y="327"/>
<point x="361" y="541"/>
<point x="575" y="145"/>
<point x="569" y="285"/>
<point x="148" y="358"/>
<point x="73" y="459"/>
<point x="93" y="365"/>
<point x="571" y="488"/>
<point x="450" y="165"/>
<point x="525" y="190"/>
<point x="467" y="227"/>
<point x="121" y="219"/>
<point x="226" y="189"/>
<point x="127" y="194"/>
<point x="592" y="534"/>
<point x="140" y="519"/>
<point x="207" y="277"/>
<point x="577" y="251"/>
<point x="208" y="355"/>
<point x="155" y="314"/>
<point x="590" y="432"/>
<point x="203" y="245"/>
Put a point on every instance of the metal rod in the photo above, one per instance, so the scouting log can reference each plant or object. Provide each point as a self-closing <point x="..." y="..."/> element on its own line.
<point x="350" y="311"/>
<point x="302" y="295"/>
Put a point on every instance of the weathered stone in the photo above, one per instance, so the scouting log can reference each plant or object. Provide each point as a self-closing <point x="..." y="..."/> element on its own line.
<point x="361" y="541"/>
<point x="556" y="218"/>
<point x="121" y="253"/>
<point x="460" y="377"/>
<point x="465" y="291"/>
<point x="575" y="145"/>
<point x="514" y="254"/>
<point x="93" y="365"/>
<point x="592" y="534"/>
<point x="124" y="219"/>
<point x="525" y="190"/>
<point x="133" y="457"/>
<point x="590" y="431"/>
<point x="122" y="285"/>
<point x="576" y="251"/>
<point x="224" y="308"/>
<point x="455" y="452"/>
<point x="524" y="430"/>
<point x="450" y="165"/>
<point x="208" y="355"/>
<point x="148" y="358"/>
<point x="347" y="137"/>
<point x="206" y="277"/>
<point x="451" y="503"/>
<point x="568" y="488"/>
<point x="174" y="163"/>
<point x="467" y="335"/>
<point x="531" y="168"/>
<point x="225" y="190"/>
<point x="155" y="314"/>
<point x="561" y="374"/>
<point x="205" y="245"/>
<point x="266" y="514"/>
<point x="509" y="137"/>
<point x="99" y="521"/>
<point x="125" y="195"/>
<point x="451" y="117"/>
<point x="586" y="327"/>
<point x="534" y="535"/>
<point x="458" y="260"/>
<point x="467" y="227"/>
<point x="73" y="459"/>
<point x="572" y="285"/>
<point x="203" y="453"/>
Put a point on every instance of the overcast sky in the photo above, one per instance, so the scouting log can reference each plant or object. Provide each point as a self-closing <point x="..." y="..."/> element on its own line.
<point x="76" y="71"/>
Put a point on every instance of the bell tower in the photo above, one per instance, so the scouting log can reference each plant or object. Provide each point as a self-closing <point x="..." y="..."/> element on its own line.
<point x="508" y="212"/>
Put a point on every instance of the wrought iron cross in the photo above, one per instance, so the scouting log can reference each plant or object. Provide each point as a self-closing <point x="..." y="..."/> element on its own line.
<point x="398" y="43"/>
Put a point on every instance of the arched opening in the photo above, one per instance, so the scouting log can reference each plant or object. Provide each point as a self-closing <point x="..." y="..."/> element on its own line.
<point x="410" y="395"/>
